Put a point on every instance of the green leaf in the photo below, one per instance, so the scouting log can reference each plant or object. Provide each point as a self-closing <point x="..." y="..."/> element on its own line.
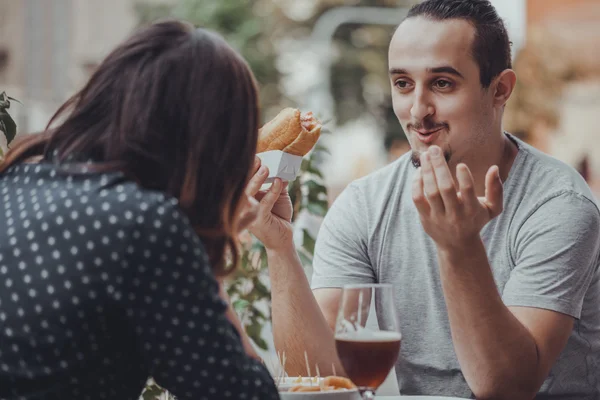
<point x="240" y="305"/>
<point x="315" y="187"/>
<point x="314" y="170"/>
<point x="308" y="242"/>
<point x="13" y="99"/>
<point x="317" y="208"/>
<point x="319" y="148"/>
<point x="4" y="101"/>
<point x="254" y="332"/>
<point x="7" y="126"/>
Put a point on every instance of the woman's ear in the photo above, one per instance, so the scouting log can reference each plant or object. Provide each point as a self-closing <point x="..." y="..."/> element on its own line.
<point x="503" y="86"/>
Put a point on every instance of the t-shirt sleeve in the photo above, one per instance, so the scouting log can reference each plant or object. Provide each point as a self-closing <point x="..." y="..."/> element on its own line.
<point x="179" y="319"/>
<point x="341" y="252"/>
<point x="555" y="255"/>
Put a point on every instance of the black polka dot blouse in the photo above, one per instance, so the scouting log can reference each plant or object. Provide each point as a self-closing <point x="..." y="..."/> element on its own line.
<point x="103" y="284"/>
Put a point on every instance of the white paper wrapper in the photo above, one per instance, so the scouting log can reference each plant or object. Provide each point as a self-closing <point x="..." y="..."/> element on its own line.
<point x="281" y="165"/>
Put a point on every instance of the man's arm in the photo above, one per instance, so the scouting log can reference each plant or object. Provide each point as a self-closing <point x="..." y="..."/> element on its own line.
<point x="506" y="352"/>
<point x="503" y="352"/>
<point x="302" y="322"/>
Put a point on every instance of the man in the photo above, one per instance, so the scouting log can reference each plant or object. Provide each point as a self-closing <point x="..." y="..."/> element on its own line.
<point x="492" y="247"/>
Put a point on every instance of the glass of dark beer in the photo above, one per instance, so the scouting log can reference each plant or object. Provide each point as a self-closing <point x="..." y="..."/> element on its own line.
<point x="367" y="351"/>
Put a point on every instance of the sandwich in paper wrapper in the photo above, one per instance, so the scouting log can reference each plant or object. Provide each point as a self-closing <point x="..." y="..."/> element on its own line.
<point x="283" y="141"/>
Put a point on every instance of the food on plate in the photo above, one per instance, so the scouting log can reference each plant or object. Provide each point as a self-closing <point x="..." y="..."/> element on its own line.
<point x="330" y="383"/>
<point x="291" y="131"/>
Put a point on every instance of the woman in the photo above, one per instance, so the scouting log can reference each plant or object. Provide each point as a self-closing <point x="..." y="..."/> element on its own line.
<point x="114" y="240"/>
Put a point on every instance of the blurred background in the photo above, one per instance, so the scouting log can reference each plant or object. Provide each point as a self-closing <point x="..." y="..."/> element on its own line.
<point x="329" y="56"/>
<point x="325" y="56"/>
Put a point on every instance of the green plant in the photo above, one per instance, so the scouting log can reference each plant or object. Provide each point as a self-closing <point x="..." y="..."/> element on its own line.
<point x="7" y="125"/>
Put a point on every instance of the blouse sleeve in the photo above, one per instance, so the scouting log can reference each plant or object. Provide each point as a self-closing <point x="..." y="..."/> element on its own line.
<point x="178" y="317"/>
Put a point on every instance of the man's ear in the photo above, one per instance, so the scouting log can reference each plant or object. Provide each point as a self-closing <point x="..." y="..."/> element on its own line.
<point x="503" y="86"/>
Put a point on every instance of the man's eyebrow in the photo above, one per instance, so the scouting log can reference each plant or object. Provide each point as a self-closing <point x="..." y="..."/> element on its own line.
<point x="446" y="69"/>
<point x="398" y="71"/>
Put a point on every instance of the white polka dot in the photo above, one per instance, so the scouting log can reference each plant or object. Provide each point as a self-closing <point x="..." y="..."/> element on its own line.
<point x="67" y="235"/>
<point x="44" y="274"/>
<point x="74" y="215"/>
<point x="51" y="241"/>
<point x="112" y="219"/>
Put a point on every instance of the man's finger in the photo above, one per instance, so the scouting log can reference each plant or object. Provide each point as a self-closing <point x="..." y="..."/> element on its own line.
<point x="444" y="179"/>
<point x="466" y="186"/>
<point x="418" y="195"/>
<point x="257" y="180"/>
<point x="432" y="192"/>
<point x="493" y="191"/>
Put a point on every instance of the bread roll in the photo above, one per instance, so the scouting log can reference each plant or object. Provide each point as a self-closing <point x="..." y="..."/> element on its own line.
<point x="291" y="132"/>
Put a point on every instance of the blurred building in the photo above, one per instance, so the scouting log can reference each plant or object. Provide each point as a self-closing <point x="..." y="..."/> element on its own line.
<point x="48" y="48"/>
<point x="557" y="99"/>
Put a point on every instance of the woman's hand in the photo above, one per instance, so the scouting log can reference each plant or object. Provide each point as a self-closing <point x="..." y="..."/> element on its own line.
<point x="273" y="222"/>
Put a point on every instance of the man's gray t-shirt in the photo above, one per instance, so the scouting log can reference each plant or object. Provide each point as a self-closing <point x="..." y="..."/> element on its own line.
<point x="543" y="250"/>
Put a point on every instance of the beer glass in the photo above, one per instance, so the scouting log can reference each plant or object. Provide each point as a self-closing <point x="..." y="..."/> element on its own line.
<point x="367" y="353"/>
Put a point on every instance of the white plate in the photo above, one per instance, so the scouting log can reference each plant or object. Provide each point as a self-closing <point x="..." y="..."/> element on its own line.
<point x="290" y="382"/>
<point x="333" y="395"/>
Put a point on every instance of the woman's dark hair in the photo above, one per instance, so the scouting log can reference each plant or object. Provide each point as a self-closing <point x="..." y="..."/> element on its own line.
<point x="175" y="109"/>
<point x="491" y="47"/>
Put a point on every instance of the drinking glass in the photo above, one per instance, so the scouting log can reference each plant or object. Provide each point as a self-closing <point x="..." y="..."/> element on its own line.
<point x="367" y="353"/>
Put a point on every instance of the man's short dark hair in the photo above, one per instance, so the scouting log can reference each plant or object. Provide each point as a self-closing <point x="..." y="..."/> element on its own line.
<point x="491" y="46"/>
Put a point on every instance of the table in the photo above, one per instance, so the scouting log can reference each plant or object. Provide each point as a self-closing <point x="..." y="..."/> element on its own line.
<point x="416" y="398"/>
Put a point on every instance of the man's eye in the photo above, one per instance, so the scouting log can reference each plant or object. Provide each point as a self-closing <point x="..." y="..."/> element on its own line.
<point x="443" y="84"/>
<point x="401" y="84"/>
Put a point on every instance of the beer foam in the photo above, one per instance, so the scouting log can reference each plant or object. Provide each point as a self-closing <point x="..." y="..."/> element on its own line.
<point x="365" y="335"/>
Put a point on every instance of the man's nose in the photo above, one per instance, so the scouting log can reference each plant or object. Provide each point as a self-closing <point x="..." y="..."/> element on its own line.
<point x="422" y="106"/>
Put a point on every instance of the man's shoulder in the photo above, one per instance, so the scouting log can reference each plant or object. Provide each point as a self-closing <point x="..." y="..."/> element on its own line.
<point x="542" y="177"/>
<point x="544" y="186"/>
